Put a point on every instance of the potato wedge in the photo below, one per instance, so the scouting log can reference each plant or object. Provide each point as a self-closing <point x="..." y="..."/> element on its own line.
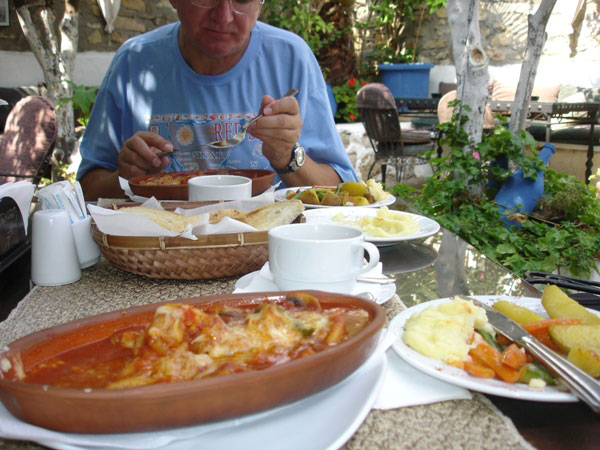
<point x="586" y="359"/>
<point x="558" y="304"/>
<point x="331" y="199"/>
<point x="517" y="313"/>
<point x="354" y="189"/>
<point x="309" y="197"/>
<point x="360" y="201"/>
<point x="567" y="337"/>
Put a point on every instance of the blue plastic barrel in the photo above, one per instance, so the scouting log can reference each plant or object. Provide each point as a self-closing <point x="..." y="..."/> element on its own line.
<point x="406" y="80"/>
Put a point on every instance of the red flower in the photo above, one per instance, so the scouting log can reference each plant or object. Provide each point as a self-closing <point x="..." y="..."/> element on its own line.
<point x="352" y="81"/>
<point x="352" y="117"/>
<point x="363" y="83"/>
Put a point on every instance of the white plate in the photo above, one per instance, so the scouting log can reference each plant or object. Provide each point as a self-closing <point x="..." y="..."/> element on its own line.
<point x="382" y="292"/>
<point x="427" y="226"/>
<point x="325" y="420"/>
<point x="281" y="196"/>
<point x="444" y="372"/>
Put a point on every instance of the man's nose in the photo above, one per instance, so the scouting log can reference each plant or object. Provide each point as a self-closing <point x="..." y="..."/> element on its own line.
<point x="224" y="11"/>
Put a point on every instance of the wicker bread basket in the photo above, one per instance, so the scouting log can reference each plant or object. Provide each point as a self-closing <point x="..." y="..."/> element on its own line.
<point x="177" y="258"/>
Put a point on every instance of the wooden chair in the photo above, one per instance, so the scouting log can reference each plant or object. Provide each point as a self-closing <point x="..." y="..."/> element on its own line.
<point x="379" y="115"/>
<point x="28" y="140"/>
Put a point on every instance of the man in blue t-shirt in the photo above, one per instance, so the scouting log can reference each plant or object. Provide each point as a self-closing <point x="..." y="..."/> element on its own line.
<point x="187" y="84"/>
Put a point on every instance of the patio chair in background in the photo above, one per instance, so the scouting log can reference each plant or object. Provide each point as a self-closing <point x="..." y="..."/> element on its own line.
<point x="28" y="140"/>
<point x="379" y="115"/>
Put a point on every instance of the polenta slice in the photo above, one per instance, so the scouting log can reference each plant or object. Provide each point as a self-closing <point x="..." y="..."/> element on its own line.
<point x="558" y="305"/>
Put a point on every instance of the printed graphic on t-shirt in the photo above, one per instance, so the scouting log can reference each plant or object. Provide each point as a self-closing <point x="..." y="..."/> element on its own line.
<point x="192" y="133"/>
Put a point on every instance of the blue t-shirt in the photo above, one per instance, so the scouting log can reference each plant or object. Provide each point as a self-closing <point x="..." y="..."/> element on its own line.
<point x="149" y="86"/>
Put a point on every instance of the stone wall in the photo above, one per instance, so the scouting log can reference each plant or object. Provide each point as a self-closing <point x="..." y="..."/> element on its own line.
<point x="503" y="26"/>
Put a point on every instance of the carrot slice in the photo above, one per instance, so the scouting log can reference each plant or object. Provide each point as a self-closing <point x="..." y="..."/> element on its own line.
<point x="508" y="374"/>
<point x="478" y="370"/>
<point x="543" y="325"/>
<point x="513" y="357"/>
<point x="487" y="355"/>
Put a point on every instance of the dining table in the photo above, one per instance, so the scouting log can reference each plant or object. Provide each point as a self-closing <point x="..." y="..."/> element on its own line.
<point x="438" y="266"/>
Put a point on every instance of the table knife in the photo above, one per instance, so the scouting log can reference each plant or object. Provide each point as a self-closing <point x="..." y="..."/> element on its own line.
<point x="586" y="388"/>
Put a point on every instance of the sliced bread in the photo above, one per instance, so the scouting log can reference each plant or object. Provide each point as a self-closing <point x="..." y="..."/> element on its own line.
<point x="167" y="219"/>
<point x="274" y="214"/>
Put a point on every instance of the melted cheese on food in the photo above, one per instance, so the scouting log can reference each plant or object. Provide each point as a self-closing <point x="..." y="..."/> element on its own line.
<point x="184" y="342"/>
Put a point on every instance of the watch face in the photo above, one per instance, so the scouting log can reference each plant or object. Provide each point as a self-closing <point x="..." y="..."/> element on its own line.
<point x="299" y="156"/>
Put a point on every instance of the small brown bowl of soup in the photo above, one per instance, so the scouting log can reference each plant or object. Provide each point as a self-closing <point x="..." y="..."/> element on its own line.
<point x="173" y="186"/>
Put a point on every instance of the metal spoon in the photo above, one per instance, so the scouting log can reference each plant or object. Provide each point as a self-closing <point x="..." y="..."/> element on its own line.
<point x="241" y="135"/>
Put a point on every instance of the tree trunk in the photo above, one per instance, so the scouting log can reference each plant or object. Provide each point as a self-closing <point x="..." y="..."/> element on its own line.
<point x="57" y="61"/>
<point x="536" y="38"/>
<point x="471" y="64"/>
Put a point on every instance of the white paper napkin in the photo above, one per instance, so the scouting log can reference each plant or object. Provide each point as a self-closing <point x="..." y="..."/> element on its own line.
<point x="263" y="281"/>
<point x="403" y="385"/>
<point x="117" y="223"/>
<point x="22" y="193"/>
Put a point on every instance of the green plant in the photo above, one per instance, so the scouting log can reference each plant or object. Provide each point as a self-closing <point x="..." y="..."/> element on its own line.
<point x="345" y="96"/>
<point x="460" y="197"/>
<point x="83" y="98"/>
<point x="301" y="17"/>
<point x="389" y="18"/>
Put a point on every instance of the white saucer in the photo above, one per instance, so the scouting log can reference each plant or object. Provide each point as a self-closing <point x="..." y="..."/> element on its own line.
<point x="382" y="292"/>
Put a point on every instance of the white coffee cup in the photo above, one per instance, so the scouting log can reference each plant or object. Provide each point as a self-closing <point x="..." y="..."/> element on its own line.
<point x="219" y="187"/>
<point x="326" y="257"/>
<point x="88" y="252"/>
<point x="54" y="259"/>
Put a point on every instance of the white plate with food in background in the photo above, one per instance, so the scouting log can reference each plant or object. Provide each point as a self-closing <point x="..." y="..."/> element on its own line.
<point x="459" y="377"/>
<point x="282" y="195"/>
<point x="350" y="215"/>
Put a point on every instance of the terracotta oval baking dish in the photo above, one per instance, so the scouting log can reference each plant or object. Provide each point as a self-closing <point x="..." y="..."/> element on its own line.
<point x="261" y="180"/>
<point x="183" y="403"/>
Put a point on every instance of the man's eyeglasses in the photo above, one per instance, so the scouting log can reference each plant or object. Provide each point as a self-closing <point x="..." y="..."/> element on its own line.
<point x="243" y="7"/>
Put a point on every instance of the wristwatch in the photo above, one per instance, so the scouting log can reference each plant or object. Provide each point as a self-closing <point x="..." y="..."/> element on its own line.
<point x="297" y="160"/>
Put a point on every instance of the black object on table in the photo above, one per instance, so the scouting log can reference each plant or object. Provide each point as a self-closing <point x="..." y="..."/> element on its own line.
<point x="15" y="257"/>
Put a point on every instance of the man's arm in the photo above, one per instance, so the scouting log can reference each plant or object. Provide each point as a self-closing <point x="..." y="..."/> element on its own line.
<point x="279" y="130"/>
<point x="101" y="183"/>
<point x="137" y="157"/>
<point x="311" y="173"/>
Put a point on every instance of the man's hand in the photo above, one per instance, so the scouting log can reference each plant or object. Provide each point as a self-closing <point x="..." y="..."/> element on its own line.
<point x="279" y="129"/>
<point x="138" y="154"/>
